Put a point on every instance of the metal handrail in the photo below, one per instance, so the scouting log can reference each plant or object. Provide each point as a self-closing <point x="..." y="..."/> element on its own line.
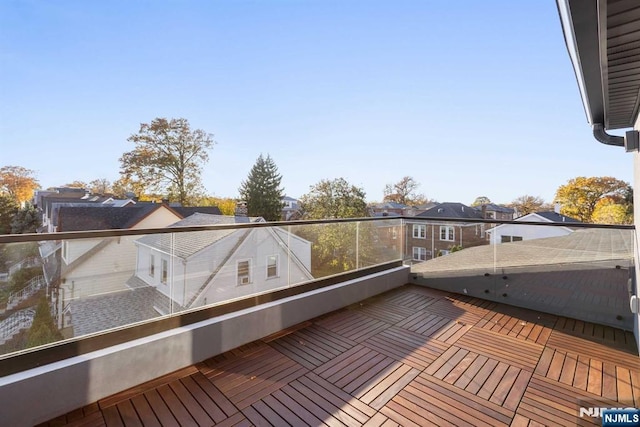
<point x="73" y="235"/>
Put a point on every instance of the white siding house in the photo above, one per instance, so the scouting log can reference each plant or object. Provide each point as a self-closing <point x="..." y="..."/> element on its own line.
<point x="506" y="233"/>
<point x="96" y="266"/>
<point x="204" y="267"/>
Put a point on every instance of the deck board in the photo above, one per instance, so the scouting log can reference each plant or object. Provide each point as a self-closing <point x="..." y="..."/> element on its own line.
<point x="411" y="357"/>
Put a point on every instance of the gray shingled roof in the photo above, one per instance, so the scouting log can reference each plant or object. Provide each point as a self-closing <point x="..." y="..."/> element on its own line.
<point x="188" y="211"/>
<point x="390" y="205"/>
<point x="84" y="218"/>
<point x="49" y="201"/>
<point x="451" y="210"/>
<point x="186" y="244"/>
<point x="556" y="217"/>
<point x="496" y="208"/>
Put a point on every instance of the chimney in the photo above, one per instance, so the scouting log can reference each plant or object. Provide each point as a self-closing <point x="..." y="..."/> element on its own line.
<point x="556" y="208"/>
<point x="241" y="209"/>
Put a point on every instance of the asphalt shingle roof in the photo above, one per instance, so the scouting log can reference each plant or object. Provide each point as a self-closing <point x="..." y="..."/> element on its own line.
<point x="451" y="210"/>
<point x="188" y="211"/>
<point x="186" y="244"/>
<point x="496" y="208"/>
<point x="84" y="218"/>
<point x="556" y="217"/>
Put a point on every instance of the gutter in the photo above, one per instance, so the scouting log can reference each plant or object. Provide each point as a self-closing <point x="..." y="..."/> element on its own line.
<point x="602" y="136"/>
<point x="630" y="142"/>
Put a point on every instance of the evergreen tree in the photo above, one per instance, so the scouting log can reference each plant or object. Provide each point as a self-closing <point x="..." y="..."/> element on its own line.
<point x="43" y="330"/>
<point x="8" y="209"/>
<point x="25" y="220"/>
<point x="262" y="190"/>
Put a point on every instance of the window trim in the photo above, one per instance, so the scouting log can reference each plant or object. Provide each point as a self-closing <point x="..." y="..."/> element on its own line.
<point x="239" y="278"/>
<point x="152" y="265"/>
<point x="446" y="229"/>
<point x="419" y="231"/>
<point x="276" y="265"/>
<point x="420" y="249"/>
<point x="164" y="271"/>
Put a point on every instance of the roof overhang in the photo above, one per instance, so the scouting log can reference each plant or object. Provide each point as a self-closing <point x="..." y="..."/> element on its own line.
<point x="603" y="41"/>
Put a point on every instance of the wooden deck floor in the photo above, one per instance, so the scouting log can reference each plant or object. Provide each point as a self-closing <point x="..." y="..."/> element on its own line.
<point x="410" y="357"/>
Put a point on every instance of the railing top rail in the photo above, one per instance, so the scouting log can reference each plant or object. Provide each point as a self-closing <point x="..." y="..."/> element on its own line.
<point x="517" y="222"/>
<point x="72" y="235"/>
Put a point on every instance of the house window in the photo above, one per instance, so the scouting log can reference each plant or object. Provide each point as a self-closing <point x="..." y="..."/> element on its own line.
<point x="419" y="231"/>
<point x="419" y="254"/>
<point x="508" y="239"/>
<point x="272" y="266"/>
<point x="164" y="274"/>
<point x="65" y="251"/>
<point x="243" y="269"/>
<point x="447" y="233"/>
<point x="152" y="266"/>
<point x="394" y="233"/>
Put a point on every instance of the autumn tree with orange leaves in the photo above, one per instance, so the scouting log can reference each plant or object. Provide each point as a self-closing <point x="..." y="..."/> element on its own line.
<point x="18" y="182"/>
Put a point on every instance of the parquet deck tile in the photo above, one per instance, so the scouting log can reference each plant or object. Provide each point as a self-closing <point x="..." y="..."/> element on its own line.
<point x="353" y="325"/>
<point x="411" y="357"/>
<point x="407" y="347"/>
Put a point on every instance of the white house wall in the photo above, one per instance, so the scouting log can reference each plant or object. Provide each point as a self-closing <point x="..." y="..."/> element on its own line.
<point x="74" y="249"/>
<point x="186" y="277"/>
<point x="527" y="232"/>
<point x="300" y="247"/>
<point x="199" y="268"/>
<point x="105" y="271"/>
<point x="157" y="219"/>
<point x="108" y="269"/>
<point x="256" y="247"/>
<point x="143" y="268"/>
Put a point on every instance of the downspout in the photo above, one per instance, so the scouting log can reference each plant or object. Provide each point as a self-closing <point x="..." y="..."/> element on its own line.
<point x="601" y="135"/>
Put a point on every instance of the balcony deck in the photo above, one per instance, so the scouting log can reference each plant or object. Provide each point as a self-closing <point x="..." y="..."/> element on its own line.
<point x="412" y="357"/>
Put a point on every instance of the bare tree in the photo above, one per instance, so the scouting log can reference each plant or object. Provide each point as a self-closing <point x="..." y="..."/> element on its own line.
<point x="404" y="192"/>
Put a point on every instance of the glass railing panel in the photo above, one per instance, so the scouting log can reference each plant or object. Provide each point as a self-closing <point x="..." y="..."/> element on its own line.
<point x="333" y="247"/>
<point x="54" y="290"/>
<point x="217" y="266"/>
<point x="581" y="273"/>
<point x="62" y="289"/>
<point x="22" y="287"/>
<point x="379" y="242"/>
<point x="451" y="256"/>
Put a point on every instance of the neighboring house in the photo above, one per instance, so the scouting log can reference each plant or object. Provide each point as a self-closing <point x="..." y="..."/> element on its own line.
<point x="493" y="211"/>
<point x="46" y="207"/>
<point x="431" y="238"/>
<point x="506" y="233"/>
<point x="188" y="211"/>
<point x="49" y="202"/>
<point x="205" y="267"/>
<point x="397" y="209"/>
<point x="290" y="209"/>
<point x="52" y="220"/>
<point x="88" y="267"/>
<point x="67" y="192"/>
<point x="388" y="209"/>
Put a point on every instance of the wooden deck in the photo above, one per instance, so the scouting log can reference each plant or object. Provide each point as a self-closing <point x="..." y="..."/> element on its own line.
<point x="410" y="357"/>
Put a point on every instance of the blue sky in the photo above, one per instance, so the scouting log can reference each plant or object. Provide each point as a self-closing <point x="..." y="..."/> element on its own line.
<point x="470" y="98"/>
